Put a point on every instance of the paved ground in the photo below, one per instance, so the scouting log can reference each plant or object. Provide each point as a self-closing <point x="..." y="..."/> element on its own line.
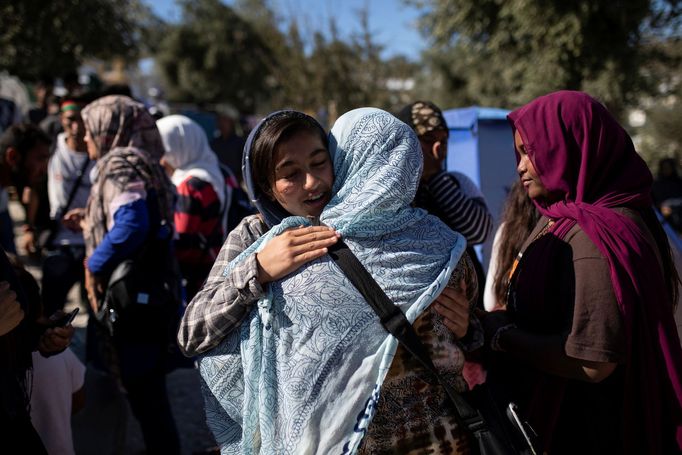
<point x="107" y="417"/>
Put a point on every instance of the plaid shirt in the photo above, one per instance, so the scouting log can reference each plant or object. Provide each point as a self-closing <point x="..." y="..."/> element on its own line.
<point x="219" y="307"/>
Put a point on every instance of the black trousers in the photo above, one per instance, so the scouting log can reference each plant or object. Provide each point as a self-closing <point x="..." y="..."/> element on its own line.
<point x="142" y="359"/>
<point x="62" y="268"/>
<point x="21" y="437"/>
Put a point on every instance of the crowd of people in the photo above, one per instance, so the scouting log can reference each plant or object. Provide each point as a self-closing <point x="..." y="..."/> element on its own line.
<point x="226" y="250"/>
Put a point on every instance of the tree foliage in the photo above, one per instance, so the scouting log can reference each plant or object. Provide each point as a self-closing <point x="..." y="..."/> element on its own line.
<point x="214" y="55"/>
<point x="661" y="135"/>
<point x="339" y="75"/>
<point x="253" y="58"/>
<point x="504" y="53"/>
<point x="51" y="38"/>
<point x="289" y="68"/>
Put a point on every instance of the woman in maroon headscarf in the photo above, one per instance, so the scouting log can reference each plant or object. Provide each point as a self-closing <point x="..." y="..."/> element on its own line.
<point x="589" y="324"/>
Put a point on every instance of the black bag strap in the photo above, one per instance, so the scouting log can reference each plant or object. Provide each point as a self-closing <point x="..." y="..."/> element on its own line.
<point x="76" y="185"/>
<point x="395" y="322"/>
<point x="69" y="200"/>
<point x="156" y="250"/>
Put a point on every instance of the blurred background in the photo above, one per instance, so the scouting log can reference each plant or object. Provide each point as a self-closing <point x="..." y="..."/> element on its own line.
<point x="326" y="57"/>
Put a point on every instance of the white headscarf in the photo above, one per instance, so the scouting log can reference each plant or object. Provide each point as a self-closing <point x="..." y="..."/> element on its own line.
<point x="188" y="152"/>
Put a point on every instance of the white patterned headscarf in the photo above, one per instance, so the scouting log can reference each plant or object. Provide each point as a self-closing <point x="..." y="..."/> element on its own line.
<point x="303" y="374"/>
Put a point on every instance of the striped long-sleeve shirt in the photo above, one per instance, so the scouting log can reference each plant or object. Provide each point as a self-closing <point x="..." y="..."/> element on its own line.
<point x="456" y="200"/>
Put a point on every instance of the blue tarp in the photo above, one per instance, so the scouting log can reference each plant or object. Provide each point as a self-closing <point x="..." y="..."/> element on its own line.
<point x="463" y="146"/>
<point x="467" y="117"/>
<point x="481" y="147"/>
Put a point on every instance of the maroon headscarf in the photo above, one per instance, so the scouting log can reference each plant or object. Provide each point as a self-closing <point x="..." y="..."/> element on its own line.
<point x="588" y="162"/>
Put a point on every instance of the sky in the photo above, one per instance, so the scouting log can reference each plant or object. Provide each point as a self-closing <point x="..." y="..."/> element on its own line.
<point x="392" y="21"/>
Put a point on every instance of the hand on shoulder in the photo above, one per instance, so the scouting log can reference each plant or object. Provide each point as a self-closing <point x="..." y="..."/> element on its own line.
<point x="292" y="249"/>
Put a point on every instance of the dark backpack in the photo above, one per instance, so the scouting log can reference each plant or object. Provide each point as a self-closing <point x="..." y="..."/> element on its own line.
<point x="240" y="204"/>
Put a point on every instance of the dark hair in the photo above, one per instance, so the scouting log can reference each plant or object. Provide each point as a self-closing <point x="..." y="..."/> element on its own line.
<point x="117" y="89"/>
<point x="15" y="346"/>
<point x="275" y="130"/>
<point x="30" y="287"/>
<point x="671" y="164"/>
<point x="519" y="217"/>
<point x="70" y="77"/>
<point x="45" y="80"/>
<point x="669" y="270"/>
<point x="21" y="137"/>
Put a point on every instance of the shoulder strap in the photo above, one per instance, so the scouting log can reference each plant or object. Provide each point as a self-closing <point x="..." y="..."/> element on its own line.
<point x="162" y="216"/>
<point x="76" y="185"/>
<point x="69" y="200"/>
<point x="150" y="249"/>
<point x="395" y="322"/>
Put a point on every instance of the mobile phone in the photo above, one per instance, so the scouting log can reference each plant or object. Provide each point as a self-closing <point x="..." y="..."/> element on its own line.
<point x="525" y="429"/>
<point x="65" y="319"/>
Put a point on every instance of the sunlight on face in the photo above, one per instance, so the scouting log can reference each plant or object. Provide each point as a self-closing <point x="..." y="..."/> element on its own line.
<point x="303" y="175"/>
<point x="529" y="177"/>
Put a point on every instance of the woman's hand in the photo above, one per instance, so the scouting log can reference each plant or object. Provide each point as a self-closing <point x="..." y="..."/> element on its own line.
<point x="11" y="313"/>
<point x="94" y="286"/>
<point x="453" y="305"/>
<point x="55" y="339"/>
<point x="293" y="248"/>
<point x="29" y="241"/>
<point x="73" y="218"/>
<point x="492" y="323"/>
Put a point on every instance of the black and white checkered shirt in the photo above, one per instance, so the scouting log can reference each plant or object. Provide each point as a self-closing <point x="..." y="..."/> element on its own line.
<point x="220" y="306"/>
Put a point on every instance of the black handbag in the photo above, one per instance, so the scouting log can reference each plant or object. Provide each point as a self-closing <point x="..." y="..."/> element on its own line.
<point x="504" y="438"/>
<point x="137" y="302"/>
<point x="142" y="294"/>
